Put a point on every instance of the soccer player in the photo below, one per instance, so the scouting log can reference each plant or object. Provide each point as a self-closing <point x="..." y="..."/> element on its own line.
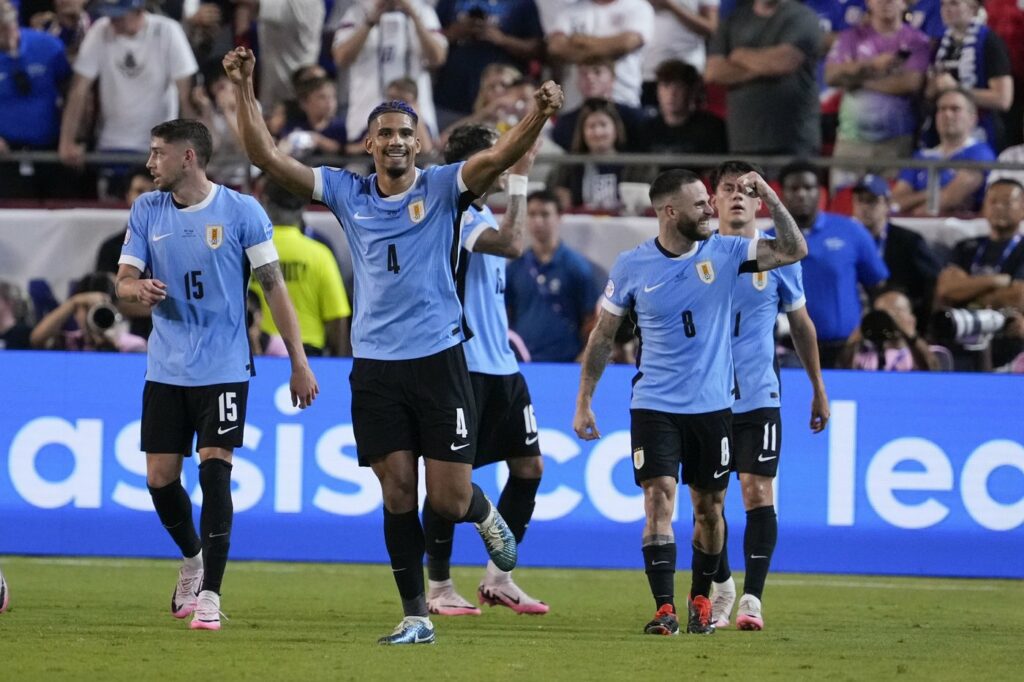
<point x="411" y="392"/>
<point x="507" y="427"/>
<point x="679" y="287"/>
<point x="199" y="240"/>
<point x="756" y="422"/>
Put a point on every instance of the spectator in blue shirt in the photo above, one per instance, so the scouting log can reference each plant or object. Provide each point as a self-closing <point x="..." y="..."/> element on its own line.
<point x="841" y="256"/>
<point x="552" y="291"/>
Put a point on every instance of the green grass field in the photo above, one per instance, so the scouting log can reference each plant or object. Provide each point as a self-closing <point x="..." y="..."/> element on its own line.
<point x="108" y="620"/>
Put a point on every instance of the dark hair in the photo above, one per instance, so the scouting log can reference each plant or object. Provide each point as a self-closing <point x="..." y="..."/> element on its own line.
<point x="407" y="84"/>
<point x="276" y="195"/>
<point x="545" y="196"/>
<point x="732" y="167"/>
<point x="467" y="140"/>
<point x="396" y="106"/>
<point x="800" y="166"/>
<point x="596" y="105"/>
<point x="307" y="87"/>
<point x="187" y="130"/>
<point x="1005" y="181"/>
<point x="96" y="281"/>
<point x="139" y="171"/>
<point x="669" y="182"/>
<point x="302" y="74"/>
<point x="960" y="90"/>
<point x="676" y="71"/>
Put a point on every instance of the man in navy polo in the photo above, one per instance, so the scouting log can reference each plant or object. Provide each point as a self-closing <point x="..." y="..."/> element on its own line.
<point x="842" y="255"/>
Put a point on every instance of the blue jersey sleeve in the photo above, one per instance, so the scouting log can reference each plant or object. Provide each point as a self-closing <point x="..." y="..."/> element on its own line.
<point x="741" y="250"/>
<point x="871" y="269"/>
<point x="618" y="292"/>
<point x="257" y="227"/>
<point x="135" y="251"/>
<point x="332" y="188"/>
<point x="450" y="176"/>
<point x="791" y="287"/>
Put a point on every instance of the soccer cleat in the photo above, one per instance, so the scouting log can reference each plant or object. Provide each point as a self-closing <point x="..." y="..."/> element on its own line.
<point x="412" y="630"/>
<point x="207" y="614"/>
<point x="5" y="594"/>
<point x="723" y="596"/>
<point x="699" y="622"/>
<point x="748" y="615"/>
<point x="507" y="593"/>
<point x="664" y="622"/>
<point x="499" y="540"/>
<point x="183" y="599"/>
<point x="443" y="600"/>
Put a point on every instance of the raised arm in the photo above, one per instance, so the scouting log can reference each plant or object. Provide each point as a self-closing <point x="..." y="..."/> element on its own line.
<point x="483" y="168"/>
<point x="805" y="341"/>
<point x="595" y="359"/>
<point x="259" y="146"/>
<point x="789" y="245"/>
<point x="507" y="240"/>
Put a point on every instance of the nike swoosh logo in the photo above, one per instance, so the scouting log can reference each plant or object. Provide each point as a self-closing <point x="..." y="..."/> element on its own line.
<point x="459" y="447"/>
<point x="511" y="599"/>
<point x="218" y="535"/>
<point x="360" y="216"/>
<point x="758" y="556"/>
<point x="762" y="458"/>
<point x="648" y="289"/>
<point x="658" y="563"/>
<point x="420" y="640"/>
<point x="719" y="474"/>
<point x="157" y="238"/>
<point x="221" y="430"/>
<point x="443" y="542"/>
<point x="531" y="441"/>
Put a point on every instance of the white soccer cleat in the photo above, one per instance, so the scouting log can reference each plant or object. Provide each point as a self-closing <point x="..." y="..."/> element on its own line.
<point x="443" y="600"/>
<point x="507" y="593"/>
<point x="207" y="614"/>
<point x="723" y="596"/>
<point x="748" y="615"/>
<point x="183" y="600"/>
<point x="5" y="594"/>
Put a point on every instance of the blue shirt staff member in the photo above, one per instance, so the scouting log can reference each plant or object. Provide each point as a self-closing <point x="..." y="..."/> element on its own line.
<point x="679" y="287"/>
<point x="199" y="239"/>
<point x="411" y="391"/>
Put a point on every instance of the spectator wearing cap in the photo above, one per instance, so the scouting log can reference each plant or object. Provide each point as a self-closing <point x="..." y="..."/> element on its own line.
<point x="913" y="266"/>
<point x="681" y="126"/>
<point x="595" y="79"/>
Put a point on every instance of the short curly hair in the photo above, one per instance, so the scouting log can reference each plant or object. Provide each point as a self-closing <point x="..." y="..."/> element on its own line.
<point x="396" y="106"/>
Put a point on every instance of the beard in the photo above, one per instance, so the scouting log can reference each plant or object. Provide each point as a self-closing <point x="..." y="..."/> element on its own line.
<point x="394" y="173"/>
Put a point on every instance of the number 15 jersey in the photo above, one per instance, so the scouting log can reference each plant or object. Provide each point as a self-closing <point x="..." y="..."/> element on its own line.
<point x="683" y="305"/>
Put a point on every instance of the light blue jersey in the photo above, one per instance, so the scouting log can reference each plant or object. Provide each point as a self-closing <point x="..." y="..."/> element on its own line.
<point x="488" y="351"/>
<point x="200" y="252"/>
<point x="405" y="252"/>
<point x="683" y="307"/>
<point x="757" y="302"/>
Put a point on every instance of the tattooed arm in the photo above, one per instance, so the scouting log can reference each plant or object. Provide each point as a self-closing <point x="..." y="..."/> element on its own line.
<point x="507" y="240"/>
<point x="789" y="245"/>
<point x="595" y="358"/>
<point x="303" y="384"/>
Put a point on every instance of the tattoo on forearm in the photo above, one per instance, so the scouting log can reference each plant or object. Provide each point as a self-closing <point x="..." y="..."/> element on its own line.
<point x="788" y="237"/>
<point x="515" y="216"/>
<point x="595" y="360"/>
<point x="268" y="276"/>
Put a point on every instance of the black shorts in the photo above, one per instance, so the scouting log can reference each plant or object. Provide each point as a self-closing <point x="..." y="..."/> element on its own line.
<point x="700" y="443"/>
<point x="173" y="415"/>
<point x="424" y="405"/>
<point x="508" y="427"/>
<point x="757" y="441"/>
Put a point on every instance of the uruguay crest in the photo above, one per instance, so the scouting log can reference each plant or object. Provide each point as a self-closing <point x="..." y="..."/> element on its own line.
<point x="214" y="236"/>
<point x="417" y="211"/>
<point x="638" y="458"/>
<point x="760" y="280"/>
<point x="706" y="271"/>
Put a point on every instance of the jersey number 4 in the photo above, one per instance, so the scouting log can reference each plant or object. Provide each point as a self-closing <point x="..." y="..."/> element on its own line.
<point x="393" y="265"/>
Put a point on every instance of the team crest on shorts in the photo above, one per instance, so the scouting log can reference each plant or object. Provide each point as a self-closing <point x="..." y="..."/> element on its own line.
<point x="760" y="280"/>
<point x="214" y="236"/>
<point x="706" y="271"/>
<point x="417" y="210"/>
<point x="638" y="458"/>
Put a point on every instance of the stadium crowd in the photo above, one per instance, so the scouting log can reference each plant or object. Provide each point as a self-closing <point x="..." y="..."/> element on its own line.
<point x="866" y="80"/>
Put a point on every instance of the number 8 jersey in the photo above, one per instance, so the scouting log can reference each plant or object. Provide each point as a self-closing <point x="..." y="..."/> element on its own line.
<point x="203" y="254"/>
<point x="683" y="306"/>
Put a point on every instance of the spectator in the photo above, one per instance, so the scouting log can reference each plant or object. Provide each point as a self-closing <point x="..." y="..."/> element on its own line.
<point x="493" y="99"/>
<point x="596" y="79"/>
<point x="988" y="272"/>
<point x="14" y="328"/>
<point x="681" y="31"/>
<point x="960" y="189"/>
<point x="590" y="30"/>
<point x="887" y="339"/>
<point x="33" y="71"/>
<point x="289" y="37"/>
<point x="287" y="112"/>
<point x="924" y="15"/>
<point x="551" y="292"/>
<point x="972" y="57"/>
<point x="681" y="126"/>
<point x="1006" y="18"/>
<point x="880" y="66"/>
<point x="96" y="323"/>
<point x="482" y="33"/>
<point x="318" y="130"/>
<point x="217" y="109"/>
<point x="841" y="256"/>
<point x="381" y="40"/>
<point x="67" y="22"/>
<point x="312" y="277"/>
<point x="766" y="53"/>
<point x="405" y="90"/>
<point x="144" y="66"/>
<point x="209" y="28"/>
<point x="1013" y="154"/>
<point x="595" y="186"/>
<point x="913" y="266"/>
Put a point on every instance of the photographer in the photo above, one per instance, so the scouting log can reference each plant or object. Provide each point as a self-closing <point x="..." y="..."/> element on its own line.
<point x="98" y="326"/>
<point x="887" y="339"/>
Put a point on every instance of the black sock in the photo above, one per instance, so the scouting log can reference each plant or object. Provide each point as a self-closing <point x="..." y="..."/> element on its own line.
<point x="724" y="572"/>
<point x="403" y="536"/>
<point x="174" y="508"/>
<point x="517" y="502"/>
<point x="479" y="507"/>
<point x="660" y="566"/>
<point x="215" y="520"/>
<point x="758" y="546"/>
<point x="438" y="532"/>
<point x="704" y="567"/>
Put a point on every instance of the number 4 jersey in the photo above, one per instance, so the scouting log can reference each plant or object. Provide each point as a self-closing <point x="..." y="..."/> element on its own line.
<point x="683" y="308"/>
<point x="203" y="254"/>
